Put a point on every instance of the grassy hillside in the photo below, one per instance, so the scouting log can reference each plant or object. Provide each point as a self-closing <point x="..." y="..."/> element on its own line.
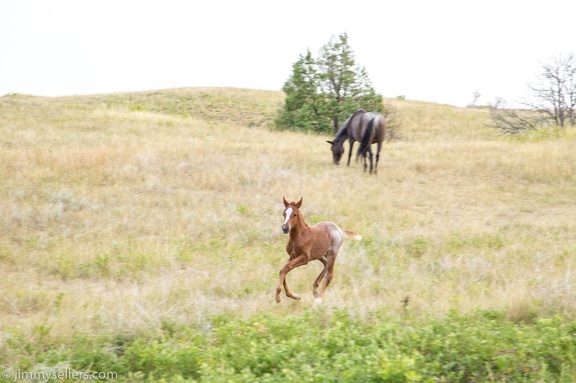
<point x="134" y="213"/>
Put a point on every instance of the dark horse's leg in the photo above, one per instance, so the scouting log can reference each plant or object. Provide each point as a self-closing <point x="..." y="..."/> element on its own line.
<point x="370" y="157"/>
<point x="369" y="154"/>
<point x="351" y="140"/>
<point x="377" y="157"/>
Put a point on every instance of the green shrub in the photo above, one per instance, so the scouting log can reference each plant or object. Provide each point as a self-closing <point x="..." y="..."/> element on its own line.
<point x="329" y="346"/>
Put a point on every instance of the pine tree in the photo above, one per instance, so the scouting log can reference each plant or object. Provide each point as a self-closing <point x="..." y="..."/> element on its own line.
<point x="304" y="105"/>
<point x="322" y="93"/>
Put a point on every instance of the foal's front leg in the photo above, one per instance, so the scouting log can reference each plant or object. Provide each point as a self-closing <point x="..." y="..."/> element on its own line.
<point x="290" y="265"/>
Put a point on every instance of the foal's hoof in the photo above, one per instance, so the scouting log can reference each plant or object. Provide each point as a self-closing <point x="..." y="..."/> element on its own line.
<point x="317" y="301"/>
<point x="278" y="299"/>
<point x="296" y="297"/>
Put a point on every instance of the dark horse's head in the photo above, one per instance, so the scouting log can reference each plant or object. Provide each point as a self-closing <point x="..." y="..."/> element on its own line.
<point x="344" y="133"/>
<point x="337" y="150"/>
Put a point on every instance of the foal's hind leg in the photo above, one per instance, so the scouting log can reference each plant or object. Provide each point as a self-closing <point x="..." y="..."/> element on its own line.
<point x="290" y="265"/>
<point x="331" y="259"/>
<point x="320" y="276"/>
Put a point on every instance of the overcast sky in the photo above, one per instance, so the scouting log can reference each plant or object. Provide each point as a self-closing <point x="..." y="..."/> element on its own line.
<point x="441" y="51"/>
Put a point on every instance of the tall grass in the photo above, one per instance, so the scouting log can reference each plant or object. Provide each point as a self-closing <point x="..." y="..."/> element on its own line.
<point x="122" y="212"/>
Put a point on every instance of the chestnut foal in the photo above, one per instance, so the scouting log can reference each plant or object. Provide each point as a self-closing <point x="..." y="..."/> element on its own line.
<point x="308" y="243"/>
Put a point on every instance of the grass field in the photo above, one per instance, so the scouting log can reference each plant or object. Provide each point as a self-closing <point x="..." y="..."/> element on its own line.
<point x="127" y="213"/>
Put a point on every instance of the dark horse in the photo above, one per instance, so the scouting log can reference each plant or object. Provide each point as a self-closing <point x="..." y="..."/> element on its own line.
<point x="308" y="243"/>
<point x="365" y="127"/>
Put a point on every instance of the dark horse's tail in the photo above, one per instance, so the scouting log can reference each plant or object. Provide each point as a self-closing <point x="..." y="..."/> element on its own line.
<point x="366" y="139"/>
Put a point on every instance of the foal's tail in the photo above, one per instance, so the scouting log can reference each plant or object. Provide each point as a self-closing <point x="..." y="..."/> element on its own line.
<point x="351" y="234"/>
<point x="366" y="139"/>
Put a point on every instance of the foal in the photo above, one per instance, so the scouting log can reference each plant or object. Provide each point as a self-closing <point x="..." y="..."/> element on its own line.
<point x="308" y="243"/>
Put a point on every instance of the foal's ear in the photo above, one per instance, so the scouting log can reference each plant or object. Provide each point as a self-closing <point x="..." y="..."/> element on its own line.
<point x="299" y="203"/>
<point x="285" y="202"/>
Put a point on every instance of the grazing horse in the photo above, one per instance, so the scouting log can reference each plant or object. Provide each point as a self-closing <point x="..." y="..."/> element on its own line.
<point x="365" y="127"/>
<point x="308" y="243"/>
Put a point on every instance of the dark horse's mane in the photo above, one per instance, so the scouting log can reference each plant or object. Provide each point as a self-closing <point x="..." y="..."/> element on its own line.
<point x="342" y="133"/>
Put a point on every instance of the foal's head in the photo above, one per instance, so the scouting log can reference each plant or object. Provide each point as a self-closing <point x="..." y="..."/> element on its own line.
<point x="337" y="150"/>
<point x="291" y="212"/>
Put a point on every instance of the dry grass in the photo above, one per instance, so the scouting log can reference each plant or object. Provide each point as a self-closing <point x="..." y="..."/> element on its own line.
<point x="119" y="219"/>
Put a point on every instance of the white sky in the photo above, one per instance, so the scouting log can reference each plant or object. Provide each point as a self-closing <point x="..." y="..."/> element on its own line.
<point x="441" y="51"/>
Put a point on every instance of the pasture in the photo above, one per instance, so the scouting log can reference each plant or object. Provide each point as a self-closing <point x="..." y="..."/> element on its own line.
<point x="133" y="213"/>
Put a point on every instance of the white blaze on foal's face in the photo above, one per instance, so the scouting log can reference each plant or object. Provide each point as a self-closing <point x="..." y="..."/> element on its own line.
<point x="288" y="214"/>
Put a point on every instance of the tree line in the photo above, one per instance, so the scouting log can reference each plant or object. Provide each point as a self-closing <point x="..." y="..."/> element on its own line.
<point x="323" y="91"/>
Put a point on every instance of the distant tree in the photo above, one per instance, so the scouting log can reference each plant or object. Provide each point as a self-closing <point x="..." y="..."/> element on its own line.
<point x="321" y="93"/>
<point x="304" y="107"/>
<point x="511" y="121"/>
<point x="551" y="100"/>
<point x="475" y="96"/>
<point x="554" y="92"/>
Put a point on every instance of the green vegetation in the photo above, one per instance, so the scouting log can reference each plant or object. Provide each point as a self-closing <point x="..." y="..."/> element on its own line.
<point x="140" y="234"/>
<point x="323" y="346"/>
